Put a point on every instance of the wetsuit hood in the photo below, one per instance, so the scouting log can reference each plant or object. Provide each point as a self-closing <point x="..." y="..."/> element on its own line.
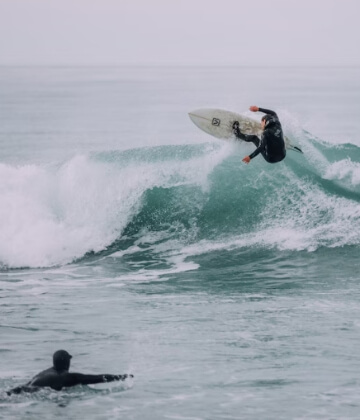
<point x="61" y="360"/>
<point x="270" y="120"/>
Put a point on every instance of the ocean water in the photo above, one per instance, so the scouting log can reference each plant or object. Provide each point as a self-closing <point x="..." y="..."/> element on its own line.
<point x="142" y="245"/>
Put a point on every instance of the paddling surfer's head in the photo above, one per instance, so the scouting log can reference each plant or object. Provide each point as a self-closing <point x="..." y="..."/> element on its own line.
<point x="61" y="360"/>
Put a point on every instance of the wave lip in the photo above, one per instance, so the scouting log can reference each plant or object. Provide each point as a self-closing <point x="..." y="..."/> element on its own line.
<point x="49" y="217"/>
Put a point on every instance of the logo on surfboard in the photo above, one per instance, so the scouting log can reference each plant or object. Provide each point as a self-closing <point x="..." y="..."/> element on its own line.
<point x="216" y="122"/>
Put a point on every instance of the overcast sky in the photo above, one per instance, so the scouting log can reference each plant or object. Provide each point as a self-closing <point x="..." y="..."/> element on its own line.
<point x="222" y="32"/>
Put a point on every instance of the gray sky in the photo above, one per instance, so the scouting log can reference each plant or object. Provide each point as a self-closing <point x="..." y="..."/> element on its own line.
<point x="223" y="32"/>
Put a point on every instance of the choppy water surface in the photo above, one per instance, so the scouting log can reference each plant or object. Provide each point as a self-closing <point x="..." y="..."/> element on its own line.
<point x="141" y="245"/>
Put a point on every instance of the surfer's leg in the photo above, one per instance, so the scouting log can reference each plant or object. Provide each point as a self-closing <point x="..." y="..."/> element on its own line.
<point x="251" y="139"/>
<point x="236" y="130"/>
<point x="272" y="159"/>
<point x="246" y="137"/>
<point x="265" y="156"/>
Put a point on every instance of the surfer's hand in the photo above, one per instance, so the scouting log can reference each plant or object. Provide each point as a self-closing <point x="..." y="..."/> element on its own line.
<point x="246" y="159"/>
<point x="254" y="108"/>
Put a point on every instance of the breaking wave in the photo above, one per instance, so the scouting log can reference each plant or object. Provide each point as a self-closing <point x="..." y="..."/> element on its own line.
<point x="188" y="199"/>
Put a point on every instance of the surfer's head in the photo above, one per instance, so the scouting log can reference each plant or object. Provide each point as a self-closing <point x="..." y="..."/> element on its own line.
<point x="265" y="120"/>
<point x="61" y="360"/>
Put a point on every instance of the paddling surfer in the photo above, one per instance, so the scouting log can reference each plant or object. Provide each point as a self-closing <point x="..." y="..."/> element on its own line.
<point x="58" y="376"/>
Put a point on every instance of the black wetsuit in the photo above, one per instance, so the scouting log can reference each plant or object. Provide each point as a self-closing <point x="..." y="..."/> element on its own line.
<point x="58" y="377"/>
<point x="272" y="144"/>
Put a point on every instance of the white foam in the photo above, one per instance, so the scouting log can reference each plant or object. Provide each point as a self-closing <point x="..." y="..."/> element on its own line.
<point x="51" y="216"/>
<point x="344" y="170"/>
<point x="303" y="221"/>
<point x="177" y="265"/>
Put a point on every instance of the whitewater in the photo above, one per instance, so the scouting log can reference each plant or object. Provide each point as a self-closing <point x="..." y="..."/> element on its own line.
<point x="140" y="244"/>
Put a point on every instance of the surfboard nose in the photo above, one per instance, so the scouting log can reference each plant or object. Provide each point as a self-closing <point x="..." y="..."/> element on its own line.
<point x="192" y="116"/>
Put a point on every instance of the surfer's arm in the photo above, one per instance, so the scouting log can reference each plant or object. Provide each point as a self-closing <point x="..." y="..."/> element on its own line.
<point x="259" y="149"/>
<point x="268" y="111"/>
<point x="255" y="108"/>
<point x="81" y="379"/>
<point x="23" y="388"/>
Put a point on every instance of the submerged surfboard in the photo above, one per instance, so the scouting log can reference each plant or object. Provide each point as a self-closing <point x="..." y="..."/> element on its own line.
<point x="218" y="123"/>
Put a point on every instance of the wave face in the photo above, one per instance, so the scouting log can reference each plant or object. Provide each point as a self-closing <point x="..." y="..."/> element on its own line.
<point x="188" y="199"/>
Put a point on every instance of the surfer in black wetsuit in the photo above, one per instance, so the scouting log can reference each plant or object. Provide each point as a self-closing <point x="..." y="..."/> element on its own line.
<point x="58" y="376"/>
<point x="271" y="144"/>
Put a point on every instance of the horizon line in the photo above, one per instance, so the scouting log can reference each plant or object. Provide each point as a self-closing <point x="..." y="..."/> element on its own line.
<point x="182" y="65"/>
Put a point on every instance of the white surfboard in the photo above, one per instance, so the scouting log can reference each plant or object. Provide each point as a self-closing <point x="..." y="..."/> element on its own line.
<point x="218" y="123"/>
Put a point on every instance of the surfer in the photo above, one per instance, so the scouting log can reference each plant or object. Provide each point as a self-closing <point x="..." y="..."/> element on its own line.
<point x="271" y="144"/>
<point x="58" y="376"/>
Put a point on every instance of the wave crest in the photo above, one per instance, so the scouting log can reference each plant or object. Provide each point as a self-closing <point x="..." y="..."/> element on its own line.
<point x="178" y="197"/>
